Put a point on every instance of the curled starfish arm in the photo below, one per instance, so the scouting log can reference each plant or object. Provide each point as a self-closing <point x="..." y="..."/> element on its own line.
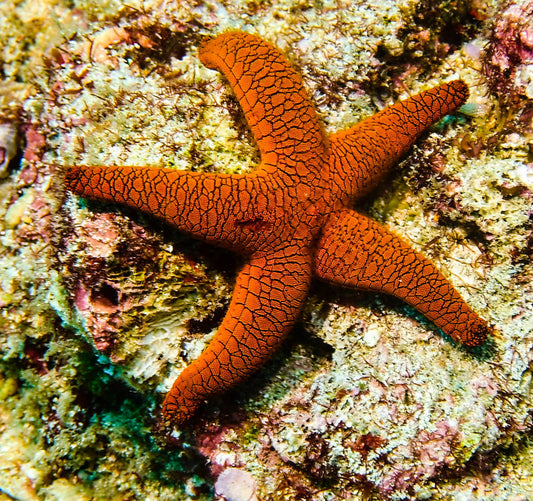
<point x="268" y="296"/>
<point x="362" y="155"/>
<point x="274" y="102"/>
<point x="355" y="251"/>
<point x="223" y="209"/>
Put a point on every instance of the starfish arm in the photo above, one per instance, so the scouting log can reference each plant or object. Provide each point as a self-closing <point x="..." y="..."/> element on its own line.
<point x="360" y="156"/>
<point x="274" y="102"/>
<point x="229" y="210"/>
<point x="267" y="300"/>
<point x="355" y="251"/>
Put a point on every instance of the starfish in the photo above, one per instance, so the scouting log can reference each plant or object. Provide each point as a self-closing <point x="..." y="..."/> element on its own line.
<point x="291" y="218"/>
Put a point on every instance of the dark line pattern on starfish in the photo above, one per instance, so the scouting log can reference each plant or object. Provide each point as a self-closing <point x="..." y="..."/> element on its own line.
<point x="291" y="216"/>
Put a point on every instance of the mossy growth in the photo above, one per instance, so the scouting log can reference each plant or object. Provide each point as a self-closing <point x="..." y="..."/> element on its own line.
<point x="84" y="427"/>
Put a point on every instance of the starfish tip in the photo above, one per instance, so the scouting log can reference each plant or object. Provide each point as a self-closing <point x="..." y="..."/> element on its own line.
<point x="72" y="178"/>
<point x="477" y="334"/>
<point x="461" y="88"/>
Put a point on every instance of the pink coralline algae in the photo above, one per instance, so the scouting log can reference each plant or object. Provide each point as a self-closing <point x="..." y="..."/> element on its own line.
<point x="101" y="313"/>
<point x="100" y="301"/>
<point x="509" y="55"/>
<point x="434" y="450"/>
<point x="35" y="143"/>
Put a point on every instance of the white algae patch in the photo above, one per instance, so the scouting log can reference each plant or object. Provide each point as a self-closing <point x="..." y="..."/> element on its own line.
<point x="8" y="146"/>
<point x="234" y="484"/>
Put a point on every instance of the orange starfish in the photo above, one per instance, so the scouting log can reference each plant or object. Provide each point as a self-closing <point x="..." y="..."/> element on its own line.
<point x="291" y="217"/>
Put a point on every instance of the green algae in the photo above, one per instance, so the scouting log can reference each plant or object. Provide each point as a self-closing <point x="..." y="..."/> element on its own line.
<point x="82" y="428"/>
<point x="8" y="388"/>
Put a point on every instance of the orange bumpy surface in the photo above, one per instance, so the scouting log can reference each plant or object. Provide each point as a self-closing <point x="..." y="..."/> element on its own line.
<point x="291" y="217"/>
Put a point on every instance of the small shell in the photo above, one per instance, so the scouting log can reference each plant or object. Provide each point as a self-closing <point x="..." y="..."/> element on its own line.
<point x="8" y="146"/>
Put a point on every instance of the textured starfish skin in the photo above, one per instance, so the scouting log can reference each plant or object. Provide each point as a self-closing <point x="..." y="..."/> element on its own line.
<point x="291" y="217"/>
